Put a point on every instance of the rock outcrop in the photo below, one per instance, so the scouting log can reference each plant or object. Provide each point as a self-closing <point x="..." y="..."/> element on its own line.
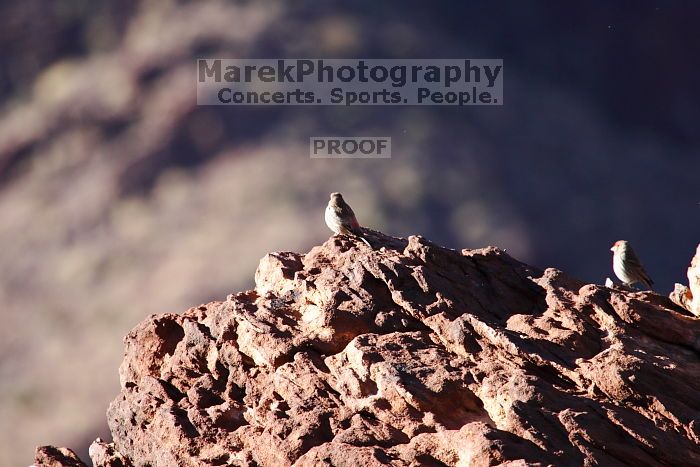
<point x="694" y="282"/>
<point x="688" y="296"/>
<point x="411" y="354"/>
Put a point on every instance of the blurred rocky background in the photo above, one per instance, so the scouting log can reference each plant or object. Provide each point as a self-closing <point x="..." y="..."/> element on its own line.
<point x="119" y="197"/>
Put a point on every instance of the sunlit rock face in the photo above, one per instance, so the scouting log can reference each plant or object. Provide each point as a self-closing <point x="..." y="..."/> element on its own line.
<point x="410" y="354"/>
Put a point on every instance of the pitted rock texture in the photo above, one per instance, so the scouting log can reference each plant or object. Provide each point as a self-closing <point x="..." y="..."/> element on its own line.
<point x="412" y="354"/>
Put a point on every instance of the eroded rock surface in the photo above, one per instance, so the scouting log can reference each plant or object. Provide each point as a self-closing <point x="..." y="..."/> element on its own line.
<point x="412" y="354"/>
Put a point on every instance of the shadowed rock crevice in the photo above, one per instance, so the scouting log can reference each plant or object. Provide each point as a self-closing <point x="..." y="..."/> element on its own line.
<point x="411" y="354"/>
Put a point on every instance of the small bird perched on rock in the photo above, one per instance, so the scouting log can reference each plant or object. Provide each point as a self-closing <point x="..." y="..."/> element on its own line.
<point x="341" y="219"/>
<point x="627" y="266"/>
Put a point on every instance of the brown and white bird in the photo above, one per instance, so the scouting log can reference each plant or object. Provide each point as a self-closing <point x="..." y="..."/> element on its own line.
<point x="627" y="266"/>
<point x="341" y="219"/>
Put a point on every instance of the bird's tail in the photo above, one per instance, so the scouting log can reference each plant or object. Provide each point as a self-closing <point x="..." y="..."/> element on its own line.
<point x="364" y="240"/>
<point x="357" y="232"/>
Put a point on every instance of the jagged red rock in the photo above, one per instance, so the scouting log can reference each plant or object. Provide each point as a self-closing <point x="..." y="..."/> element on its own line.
<point x="412" y="354"/>
<point x="688" y="297"/>
<point x="694" y="282"/>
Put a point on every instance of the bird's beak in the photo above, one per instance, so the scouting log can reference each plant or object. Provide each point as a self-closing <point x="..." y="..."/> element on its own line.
<point x="612" y="248"/>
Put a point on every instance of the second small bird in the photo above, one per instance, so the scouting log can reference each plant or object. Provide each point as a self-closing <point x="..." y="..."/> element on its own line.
<point x="627" y="266"/>
<point x="341" y="219"/>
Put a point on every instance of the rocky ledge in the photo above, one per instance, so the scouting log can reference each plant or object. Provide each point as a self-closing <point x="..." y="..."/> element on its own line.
<point x="409" y="354"/>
